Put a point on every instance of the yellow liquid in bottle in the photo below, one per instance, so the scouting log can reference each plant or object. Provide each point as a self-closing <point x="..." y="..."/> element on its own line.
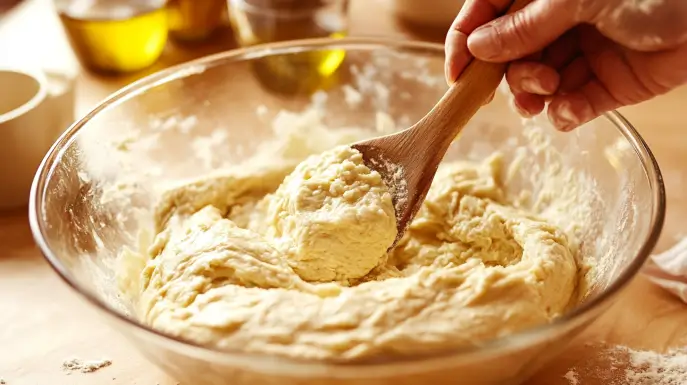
<point x="116" y="36"/>
<point x="191" y="20"/>
<point x="297" y="73"/>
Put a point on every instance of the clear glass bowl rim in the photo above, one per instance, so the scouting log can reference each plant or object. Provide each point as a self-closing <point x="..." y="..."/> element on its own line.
<point x="38" y="191"/>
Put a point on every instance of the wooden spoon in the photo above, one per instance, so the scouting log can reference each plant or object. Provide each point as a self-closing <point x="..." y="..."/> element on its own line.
<point x="408" y="160"/>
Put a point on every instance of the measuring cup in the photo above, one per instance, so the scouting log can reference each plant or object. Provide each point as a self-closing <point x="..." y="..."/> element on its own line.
<point x="35" y="108"/>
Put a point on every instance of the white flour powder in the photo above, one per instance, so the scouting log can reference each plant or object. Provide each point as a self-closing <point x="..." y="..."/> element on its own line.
<point x="84" y="366"/>
<point x="652" y="368"/>
<point x="620" y="365"/>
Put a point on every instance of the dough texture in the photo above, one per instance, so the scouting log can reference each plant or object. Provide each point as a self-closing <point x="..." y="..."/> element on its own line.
<point x="332" y="217"/>
<point x="296" y="265"/>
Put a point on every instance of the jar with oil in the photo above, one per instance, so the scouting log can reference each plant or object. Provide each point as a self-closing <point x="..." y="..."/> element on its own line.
<point x="115" y="36"/>
<point x="266" y="21"/>
<point x="195" y="20"/>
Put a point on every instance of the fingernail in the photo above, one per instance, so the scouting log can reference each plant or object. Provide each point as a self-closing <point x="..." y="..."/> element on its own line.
<point x="490" y="98"/>
<point x="482" y="43"/>
<point x="454" y="39"/>
<point x="524" y="113"/>
<point x="448" y="52"/>
<point x="450" y="78"/>
<point x="446" y="76"/>
<point x="533" y="86"/>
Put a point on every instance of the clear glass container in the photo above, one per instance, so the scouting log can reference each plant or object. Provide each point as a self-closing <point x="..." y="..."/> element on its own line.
<point x="98" y="186"/>
<point x="195" y="20"/>
<point x="115" y="36"/>
<point x="266" y="21"/>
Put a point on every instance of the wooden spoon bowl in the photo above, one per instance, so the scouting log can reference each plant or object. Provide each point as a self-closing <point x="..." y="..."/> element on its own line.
<point x="408" y="160"/>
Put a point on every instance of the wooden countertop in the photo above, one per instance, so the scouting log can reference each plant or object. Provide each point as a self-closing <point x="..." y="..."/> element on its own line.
<point x="42" y="322"/>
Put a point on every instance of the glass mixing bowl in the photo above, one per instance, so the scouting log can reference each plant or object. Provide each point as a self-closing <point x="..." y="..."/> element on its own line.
<point x="97" y="188"/>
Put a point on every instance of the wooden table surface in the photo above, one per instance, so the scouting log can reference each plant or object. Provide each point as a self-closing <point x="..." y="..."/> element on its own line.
<point x="42" y="322"/>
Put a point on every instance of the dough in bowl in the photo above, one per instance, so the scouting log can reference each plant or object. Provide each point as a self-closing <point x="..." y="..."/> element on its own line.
<point x="292" y="261"/>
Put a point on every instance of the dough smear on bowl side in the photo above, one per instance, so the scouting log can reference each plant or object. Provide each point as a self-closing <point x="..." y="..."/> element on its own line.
<point x="296" y="264"/>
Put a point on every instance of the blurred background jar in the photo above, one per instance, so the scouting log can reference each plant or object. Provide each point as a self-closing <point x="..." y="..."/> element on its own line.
<point x="437" y="14"/>
<point x="195" y="20"/>
<point x="267" y="21"/>
<point x="115" y="36"/>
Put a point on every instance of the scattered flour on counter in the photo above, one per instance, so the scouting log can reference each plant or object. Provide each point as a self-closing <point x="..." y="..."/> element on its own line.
<point x="84" y="366"/>
<point x="621" y="365"/>
<point x="651" y="368"/>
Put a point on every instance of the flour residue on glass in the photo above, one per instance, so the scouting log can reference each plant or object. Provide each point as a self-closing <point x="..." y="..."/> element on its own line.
<point x="571" y="376"/>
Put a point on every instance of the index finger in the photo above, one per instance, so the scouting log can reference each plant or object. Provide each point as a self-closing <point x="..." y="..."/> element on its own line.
<point x="472" y="15"/>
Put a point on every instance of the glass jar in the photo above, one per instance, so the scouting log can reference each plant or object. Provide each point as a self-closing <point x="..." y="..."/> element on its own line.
<point x="194" y="20"/>
<point x="264" y="21"/>
<point x="115" y="36"/>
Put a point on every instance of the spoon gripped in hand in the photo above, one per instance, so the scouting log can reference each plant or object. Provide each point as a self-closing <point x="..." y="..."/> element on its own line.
<point x="408" y="160"/>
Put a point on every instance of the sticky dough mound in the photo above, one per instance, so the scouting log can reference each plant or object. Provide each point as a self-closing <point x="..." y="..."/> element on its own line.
<point x="333" y="216"/>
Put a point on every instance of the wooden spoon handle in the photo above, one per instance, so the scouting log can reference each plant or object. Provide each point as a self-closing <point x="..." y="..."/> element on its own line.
<point x="465" y="97"/>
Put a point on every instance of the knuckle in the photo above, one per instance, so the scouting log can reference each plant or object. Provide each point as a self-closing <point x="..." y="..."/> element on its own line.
<point x="520" y="26"/>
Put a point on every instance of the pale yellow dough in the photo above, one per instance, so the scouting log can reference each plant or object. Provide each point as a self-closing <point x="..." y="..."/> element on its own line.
<point x="300" y="268"/>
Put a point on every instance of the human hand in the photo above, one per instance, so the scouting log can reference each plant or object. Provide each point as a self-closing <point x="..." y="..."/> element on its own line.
<point x="583" y="57"/>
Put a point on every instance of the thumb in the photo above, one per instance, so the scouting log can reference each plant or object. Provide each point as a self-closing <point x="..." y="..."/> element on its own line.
<point x="529" y="30"/>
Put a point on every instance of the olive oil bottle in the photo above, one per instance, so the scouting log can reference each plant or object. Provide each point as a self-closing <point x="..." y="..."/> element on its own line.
<point x="115" y="36"/>
<point x="264" y="21"/>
